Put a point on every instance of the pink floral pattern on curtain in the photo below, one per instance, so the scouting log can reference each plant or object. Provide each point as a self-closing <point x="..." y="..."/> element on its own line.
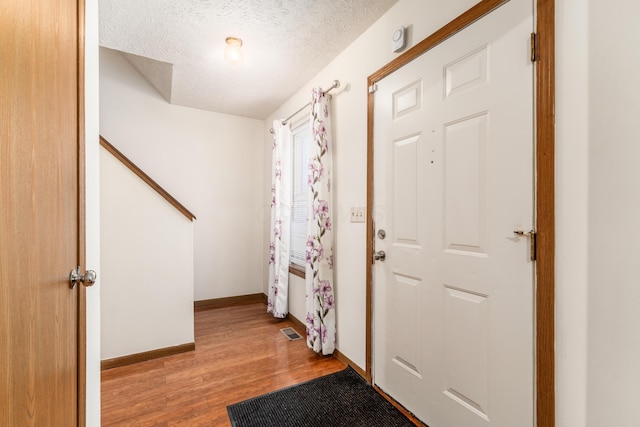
<point x="321" y="319"/>
<point x="277" y="301"/>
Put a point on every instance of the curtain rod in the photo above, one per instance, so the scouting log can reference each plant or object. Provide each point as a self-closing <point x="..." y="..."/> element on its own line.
<point x="335" y="84"/>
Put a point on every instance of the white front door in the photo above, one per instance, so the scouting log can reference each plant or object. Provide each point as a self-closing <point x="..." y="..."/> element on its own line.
<point x="453" y="159"/>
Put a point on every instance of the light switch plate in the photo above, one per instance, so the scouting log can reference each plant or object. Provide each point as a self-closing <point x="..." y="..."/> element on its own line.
<point x="357" y="214"/>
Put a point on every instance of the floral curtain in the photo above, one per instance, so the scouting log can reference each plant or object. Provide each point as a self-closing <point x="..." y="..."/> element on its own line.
<point x="280" y="209"/>
<point x="321" y="318"/>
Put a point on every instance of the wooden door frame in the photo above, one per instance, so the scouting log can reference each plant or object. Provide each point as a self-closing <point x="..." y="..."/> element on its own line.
<point x="82" y="233"/>
<point x="545" y="190"/>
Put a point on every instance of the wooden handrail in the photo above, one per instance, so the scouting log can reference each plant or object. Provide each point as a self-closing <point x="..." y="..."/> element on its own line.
<point x="146" y="178"/>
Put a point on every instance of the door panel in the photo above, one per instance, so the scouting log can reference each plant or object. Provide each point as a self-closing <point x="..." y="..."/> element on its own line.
<point x="407" y="311"/>
<point x="465" y="204"/>
<point x="405" y="188"/>
<point x="453" y="159"/>
<point x="39" y="216"/>
<point x="466" y="352"/>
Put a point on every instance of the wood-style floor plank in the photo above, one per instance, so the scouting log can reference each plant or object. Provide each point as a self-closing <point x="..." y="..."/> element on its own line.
<point x="240" y="353"/>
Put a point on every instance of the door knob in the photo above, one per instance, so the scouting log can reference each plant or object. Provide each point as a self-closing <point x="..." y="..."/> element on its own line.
<point x="379" y="256"/>
<point x="87" y="279"/>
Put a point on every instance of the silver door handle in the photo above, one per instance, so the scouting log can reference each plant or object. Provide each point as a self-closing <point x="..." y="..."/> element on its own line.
<point x="379" y="256"/>
<point x="87" y="279"/>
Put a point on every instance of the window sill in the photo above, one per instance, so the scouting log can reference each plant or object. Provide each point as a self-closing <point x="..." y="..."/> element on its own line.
<point x="296" y="270"/>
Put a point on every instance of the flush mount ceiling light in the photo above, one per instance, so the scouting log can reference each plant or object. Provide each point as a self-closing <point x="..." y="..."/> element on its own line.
<point x="233" y="51"/>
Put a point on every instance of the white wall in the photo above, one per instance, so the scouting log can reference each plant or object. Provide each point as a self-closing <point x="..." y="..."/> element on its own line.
<point x="92" y="171"/>
<point x="613" y="344"/>
<point x="598" y="204"/>
<point x="210" y="162"/>
<point x="366" y="55"/>
<point x="146" y="265"/>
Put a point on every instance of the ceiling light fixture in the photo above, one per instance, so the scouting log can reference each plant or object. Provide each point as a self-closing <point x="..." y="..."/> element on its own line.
<point x="233" y="51"/>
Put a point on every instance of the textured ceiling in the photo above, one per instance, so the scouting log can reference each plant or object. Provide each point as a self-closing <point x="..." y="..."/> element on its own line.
<point x="177" y="45"/>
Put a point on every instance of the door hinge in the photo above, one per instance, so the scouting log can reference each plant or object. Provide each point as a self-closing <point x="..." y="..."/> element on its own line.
<point x="534" y="48"/>
<point x="532" y="235"/>
<point x="373" y="88"/>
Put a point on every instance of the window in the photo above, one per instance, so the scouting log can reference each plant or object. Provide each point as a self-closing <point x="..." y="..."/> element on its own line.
<point x="301" y="137"/>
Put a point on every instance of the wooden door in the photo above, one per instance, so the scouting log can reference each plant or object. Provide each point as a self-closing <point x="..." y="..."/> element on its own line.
<point x="39" y="212"/>
<point x="453" y="179"/>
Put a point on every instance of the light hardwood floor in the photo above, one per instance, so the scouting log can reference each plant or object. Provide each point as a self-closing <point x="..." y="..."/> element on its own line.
<point x="240" y="353"/>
